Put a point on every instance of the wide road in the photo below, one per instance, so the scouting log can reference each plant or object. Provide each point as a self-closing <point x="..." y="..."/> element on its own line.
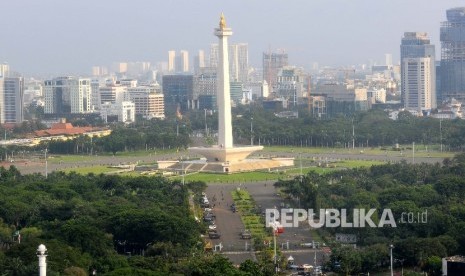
<point x="230" y="225"/>
<point x="290" y="242"/>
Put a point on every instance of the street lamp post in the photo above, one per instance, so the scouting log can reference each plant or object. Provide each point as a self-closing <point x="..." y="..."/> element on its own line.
<point x="353" y="134"/>
<point x="440" y="132"/>
<point x="413" y="152"/>
<point x="42" y="255"/>
<point x="274" y="228"/>
<point x="275" y="256"/>
<point x="205" y="117"/>
<point x="46" y="164"/>
<point x="251" y="131"/>
<point x="182" y="164"/>
<point x="392" y="267"/>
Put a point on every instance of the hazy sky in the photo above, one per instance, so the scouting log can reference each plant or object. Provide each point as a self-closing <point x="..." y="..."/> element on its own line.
<point x="70" y="36"/>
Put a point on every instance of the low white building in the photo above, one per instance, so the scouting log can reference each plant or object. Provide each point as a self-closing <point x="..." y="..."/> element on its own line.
<point x="148" y="100"/>
<point x="121" y="112"/>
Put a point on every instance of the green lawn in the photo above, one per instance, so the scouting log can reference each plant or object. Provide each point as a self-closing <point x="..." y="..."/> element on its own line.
<point x="237" y="177"/>
<point x="70" y="158"/>
<point x="357" y="163"/>
<point x="145" y="153"/>
<point x="246" y="207"/>
<point x="261" y="175"/>
<point x="420" y="150"/>
<point x="283" y="174"/>
<point x="93" y="169"/>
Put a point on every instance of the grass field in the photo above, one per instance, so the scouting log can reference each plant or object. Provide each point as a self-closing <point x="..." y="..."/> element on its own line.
<point x="420" y="150"/>
<point x="69" y="158"/>
<point x="357" y="163"/>
<point x="283" y="174"/>
<point x="238" y="177"/>
<point x="145" y="153"/>
<point x="258" y="175"/>
<point x="93" y="169"/>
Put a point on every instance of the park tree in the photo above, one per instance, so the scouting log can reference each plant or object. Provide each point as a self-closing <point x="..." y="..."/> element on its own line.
<point x="251" y="268"/>
<point x="349" y="259"/>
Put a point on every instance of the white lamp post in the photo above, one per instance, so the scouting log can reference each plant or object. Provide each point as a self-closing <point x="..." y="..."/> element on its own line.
<point x="42" y="255"/>
<point x="392" y="267"/>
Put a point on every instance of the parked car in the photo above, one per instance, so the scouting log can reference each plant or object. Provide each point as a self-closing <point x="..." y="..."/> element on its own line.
<point x="214" y="235"/>
<point x="212" y="231"/>
<point x="246" y="235"/>
<point x="208" y="217"/>
<point x="209" y="214"/>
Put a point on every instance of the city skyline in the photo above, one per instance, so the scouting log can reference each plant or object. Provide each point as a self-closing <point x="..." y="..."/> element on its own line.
<point x="52" y="37"/>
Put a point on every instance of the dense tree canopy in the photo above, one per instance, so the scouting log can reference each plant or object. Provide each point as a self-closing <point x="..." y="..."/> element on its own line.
<point x="427" y="202"/>
<point x="85" y="221"/>
<point x="371" y="129"/>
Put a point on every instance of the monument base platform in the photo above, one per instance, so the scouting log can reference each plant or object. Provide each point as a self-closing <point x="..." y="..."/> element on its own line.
<point x="185" y="167"/>
<point x="220" y="154"/>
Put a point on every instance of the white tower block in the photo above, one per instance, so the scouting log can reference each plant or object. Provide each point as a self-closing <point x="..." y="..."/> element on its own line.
<point x="42" y="255"/>
<point x="225" y="138"/>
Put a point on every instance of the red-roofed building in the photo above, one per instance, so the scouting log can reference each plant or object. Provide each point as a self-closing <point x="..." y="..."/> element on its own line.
<point x="67" y="129"/>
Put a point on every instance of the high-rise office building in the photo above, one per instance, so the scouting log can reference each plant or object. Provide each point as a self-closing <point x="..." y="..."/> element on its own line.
<point x="238" y="61"/>
<point x="98" y="71"/>
<point x="95" y="85"/>
<point x="182" y="62"/>
<point x="205" y="87"/>
<point x="4" y="70"/>
<point x="136" y="69"/>
<point x="67" y="95"/>
<point x="417" y="85"/>
<point x="236" y="92"/>
<point x="290" y="84"/>
<point x="120" y="67"/>
<point x="199" y="61"/>
<point x="416" y="45"/>
<point x="213" y="59"/>
<point x="453" y="55"/>
<point x="388" y="60"/>
<point x="171" y="60"/>
<point x="272" y="63"/>
<point x="11" y="100"/>
<point x="178" y="92"/>
<point x="148" y="101"/>
<point x="81" y="96"/>
<point x="113" y="93"/>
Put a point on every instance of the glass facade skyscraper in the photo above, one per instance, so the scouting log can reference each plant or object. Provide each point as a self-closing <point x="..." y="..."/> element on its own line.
<point x="453" y="55"/>
<point x="416" y="45"/>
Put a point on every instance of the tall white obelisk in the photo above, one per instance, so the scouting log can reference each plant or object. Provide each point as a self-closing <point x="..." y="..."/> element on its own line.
<point x="225" y="138"/>
<point x="224" y="152"/>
